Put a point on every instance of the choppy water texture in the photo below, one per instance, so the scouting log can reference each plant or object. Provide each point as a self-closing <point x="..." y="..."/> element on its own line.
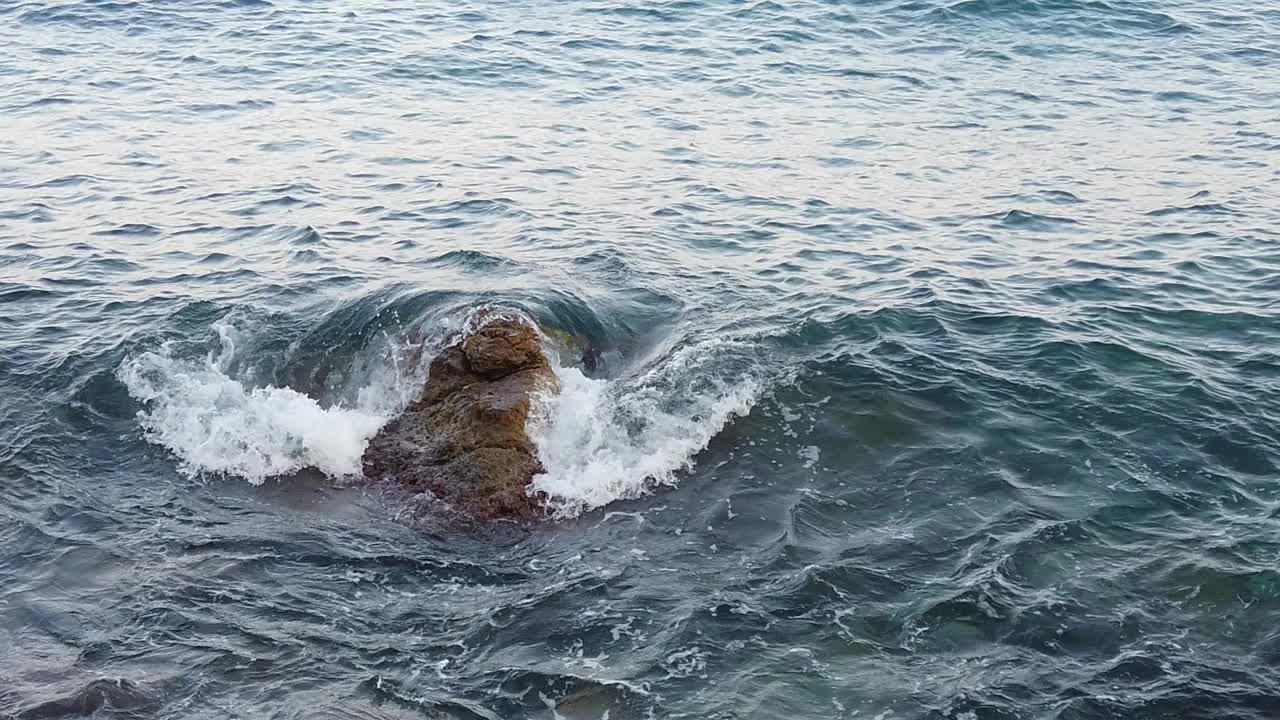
<point x="937" y="342"/>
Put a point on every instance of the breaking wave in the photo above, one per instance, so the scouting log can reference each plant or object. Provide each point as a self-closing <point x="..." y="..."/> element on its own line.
<point x="216" y="423"/>
<point x="602" y="440"/>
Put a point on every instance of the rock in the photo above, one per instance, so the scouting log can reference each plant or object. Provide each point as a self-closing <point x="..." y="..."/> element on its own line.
<point x="464" y="438"/>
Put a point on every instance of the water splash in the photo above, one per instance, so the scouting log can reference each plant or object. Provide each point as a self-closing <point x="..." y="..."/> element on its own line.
<point x="216" y="423"/>
<point x="605" y="440"/>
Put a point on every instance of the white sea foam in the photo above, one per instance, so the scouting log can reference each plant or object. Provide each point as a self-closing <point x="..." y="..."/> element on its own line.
<point x="215" y="423"/>
<point x="600" y="440"/>
<point x="604" y="440"/>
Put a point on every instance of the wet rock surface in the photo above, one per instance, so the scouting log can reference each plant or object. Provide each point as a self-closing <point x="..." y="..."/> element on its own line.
<point x="464" y="439"/>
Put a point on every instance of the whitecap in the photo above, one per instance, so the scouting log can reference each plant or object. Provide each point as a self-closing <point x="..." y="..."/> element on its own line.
<point x="602" y="440"/>
<point x="215" y="423"/>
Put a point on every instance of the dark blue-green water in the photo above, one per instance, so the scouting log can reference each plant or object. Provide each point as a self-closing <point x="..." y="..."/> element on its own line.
<point x="938" y="357"/>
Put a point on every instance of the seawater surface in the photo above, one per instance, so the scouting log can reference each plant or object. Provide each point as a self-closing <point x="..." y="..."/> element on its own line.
<point x="937" y="357"/>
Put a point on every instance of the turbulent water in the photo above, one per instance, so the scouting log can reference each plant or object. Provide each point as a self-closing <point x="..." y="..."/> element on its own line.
<point x="937" y="357"/>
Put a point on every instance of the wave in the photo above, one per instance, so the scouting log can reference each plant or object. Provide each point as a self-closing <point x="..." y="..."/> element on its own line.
<point x="602" y="440"/>
<point x="599" y="439"/>
<point x="215" y="423"/>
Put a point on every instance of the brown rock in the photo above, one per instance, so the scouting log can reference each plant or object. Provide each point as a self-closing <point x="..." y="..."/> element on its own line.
<point x="464" y="438"/>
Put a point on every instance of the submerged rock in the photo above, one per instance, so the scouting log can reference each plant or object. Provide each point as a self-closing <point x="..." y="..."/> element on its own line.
<point x="464" y="438"/>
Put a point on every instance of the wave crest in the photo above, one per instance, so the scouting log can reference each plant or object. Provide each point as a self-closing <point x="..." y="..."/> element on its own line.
<point x="214" y="423"/>
<point x="600" y="440"/>
<point x="605" y="440"/>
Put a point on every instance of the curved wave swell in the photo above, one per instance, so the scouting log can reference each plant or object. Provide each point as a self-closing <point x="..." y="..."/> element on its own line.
<point x="613" y="432"/>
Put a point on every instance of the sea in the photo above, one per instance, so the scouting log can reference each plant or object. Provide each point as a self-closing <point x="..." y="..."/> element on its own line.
<point x="920" y="359"/>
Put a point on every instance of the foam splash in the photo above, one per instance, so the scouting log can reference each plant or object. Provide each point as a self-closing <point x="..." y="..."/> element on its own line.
<point x="215" y="424"/>
<point x="600" y="440"/>
<point x="605" y="440"/>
